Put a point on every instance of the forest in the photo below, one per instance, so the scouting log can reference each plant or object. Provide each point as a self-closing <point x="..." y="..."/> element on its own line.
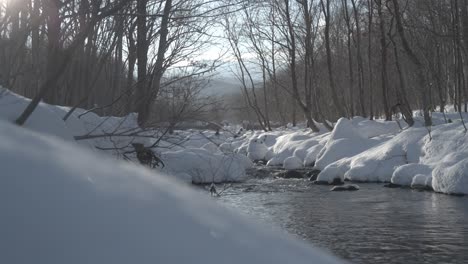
<point x="312" y="60"/>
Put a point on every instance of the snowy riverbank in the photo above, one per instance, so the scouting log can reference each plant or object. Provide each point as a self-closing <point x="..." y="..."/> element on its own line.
<point x="358" y="150"/>
<point x="192" y="156"/>
<point x="62" y="203"/>
<point x="372" y="151"/>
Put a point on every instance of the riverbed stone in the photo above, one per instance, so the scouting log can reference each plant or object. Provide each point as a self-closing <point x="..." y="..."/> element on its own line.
<point x="348" y="187"/>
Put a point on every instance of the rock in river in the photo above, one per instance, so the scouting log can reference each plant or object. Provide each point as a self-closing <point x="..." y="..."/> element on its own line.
<point x="349" y="187"/>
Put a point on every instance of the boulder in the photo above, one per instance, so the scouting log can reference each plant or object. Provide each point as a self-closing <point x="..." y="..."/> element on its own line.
<point x="292" y="163"/>
<point x="349" y="187"/>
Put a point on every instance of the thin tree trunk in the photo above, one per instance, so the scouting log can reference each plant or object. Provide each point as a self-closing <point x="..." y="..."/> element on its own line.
<point x="337" y="102"/>
<point x="383" y="57"/>
<point x="415" y="60"/>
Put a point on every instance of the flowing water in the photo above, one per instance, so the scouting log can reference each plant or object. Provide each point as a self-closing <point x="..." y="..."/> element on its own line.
<point x="372" y="225"/>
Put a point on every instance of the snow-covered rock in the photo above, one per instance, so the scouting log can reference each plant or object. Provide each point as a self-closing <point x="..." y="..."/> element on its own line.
<point x="344" y="141"/>
<point x="292" y="163"/>
<point x="257" y="149"/>
<point x="204" y="166"/>
<point x="451" y="179"/>
<point x="300" y="144"/>
<point x="404" y="175"/>
<point x="447" y="153"/>
<point x="421" y="181"/>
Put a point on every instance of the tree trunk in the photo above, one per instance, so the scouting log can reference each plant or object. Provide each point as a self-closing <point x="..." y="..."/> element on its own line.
<point x="142" y="93"/>
<point x="383" y="56"/>
<point x="415" y="60"/>
<point x="337" y="102"/>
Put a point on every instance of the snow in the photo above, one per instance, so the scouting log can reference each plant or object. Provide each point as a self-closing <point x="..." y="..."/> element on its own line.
<point x="344" y="141"/>
<point x="363" y="150"/>
<point x="75" y="206"/>
<point x="404" y="175"/>
<point x="257" y="150"/>
<point x="43" y="119"/>
<point x="421" y="181"/>
<point x="359" y="149"/>
<point x="292" y="163"/>
<point x="377" y="163"/>
<point x="204" y="166"/>
<point x="192" y="156"/>
<point x="447" y="153"/>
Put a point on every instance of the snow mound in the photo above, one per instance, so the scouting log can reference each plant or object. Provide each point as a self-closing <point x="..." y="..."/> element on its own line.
<point x="302" y="145"/>
<point x="90" y="209"/>
<point x="447" y="153"/>
<point x="451" y="179"/>
<point x="422" y="181"/>
<point x="257" y="149"/>
<point x="204" y="166"/>
<point x="404" y="175"/>
<point x="43" y="119"/>
<point x="378" y="163"/>
<point x="373" y="128"/>
<point x="292" y="163"/>
<point x="345" y="141"/>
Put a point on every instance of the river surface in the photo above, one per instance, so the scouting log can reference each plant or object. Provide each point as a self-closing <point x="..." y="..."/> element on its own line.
<point x="372" y="225"/>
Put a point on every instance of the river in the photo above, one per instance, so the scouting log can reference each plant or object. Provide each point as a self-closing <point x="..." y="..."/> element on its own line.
<point x="372" y="225"/>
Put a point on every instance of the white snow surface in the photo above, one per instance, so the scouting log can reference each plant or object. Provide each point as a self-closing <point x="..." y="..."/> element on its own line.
<point x="292" y="163"/>
<point x="405" y="174"/>
<point x="358" y="149"/>
<point x="204" y="166"/>
<point x="377" y="151"/>
<point x="65" y="204"/>
<point x="345" y="141"/>
<point x="447" y="153"/>
<point x="192" y="156"/>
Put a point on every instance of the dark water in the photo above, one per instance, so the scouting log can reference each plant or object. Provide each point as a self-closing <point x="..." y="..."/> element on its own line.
<point x="372" y="225"/>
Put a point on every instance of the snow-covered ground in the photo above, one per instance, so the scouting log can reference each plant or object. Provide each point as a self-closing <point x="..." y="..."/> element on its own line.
<point x="61" y="203"/>
<point x="373" y="151"/>
<point x="357" y="149"/>
<point x="192" y="156"/>
<point x="65" y="200"/>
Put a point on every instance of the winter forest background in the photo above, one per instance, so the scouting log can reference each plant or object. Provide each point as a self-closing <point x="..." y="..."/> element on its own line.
<point x="293" y="60"/>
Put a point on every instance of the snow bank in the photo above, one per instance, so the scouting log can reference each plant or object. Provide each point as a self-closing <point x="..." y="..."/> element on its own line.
<point x="204" y="166"/>
<point x="298" y="144"/>
<point x="378" y="163"/>
<point x="89" y="209"/>
<point x="292" y="163"/>
<point x="404" y="175"/>
<point x="257" y="150"/>
<point x="345" y="141"/>
<point x="43" y="119"/>
<point x="194" y="156"/>
<point x="447" y="153"/>
<point x="374" y="128"/>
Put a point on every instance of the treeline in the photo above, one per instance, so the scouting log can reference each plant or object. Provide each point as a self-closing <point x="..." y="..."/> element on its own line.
<point x="324" y="59"/>
<point x="113" y="56"/>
